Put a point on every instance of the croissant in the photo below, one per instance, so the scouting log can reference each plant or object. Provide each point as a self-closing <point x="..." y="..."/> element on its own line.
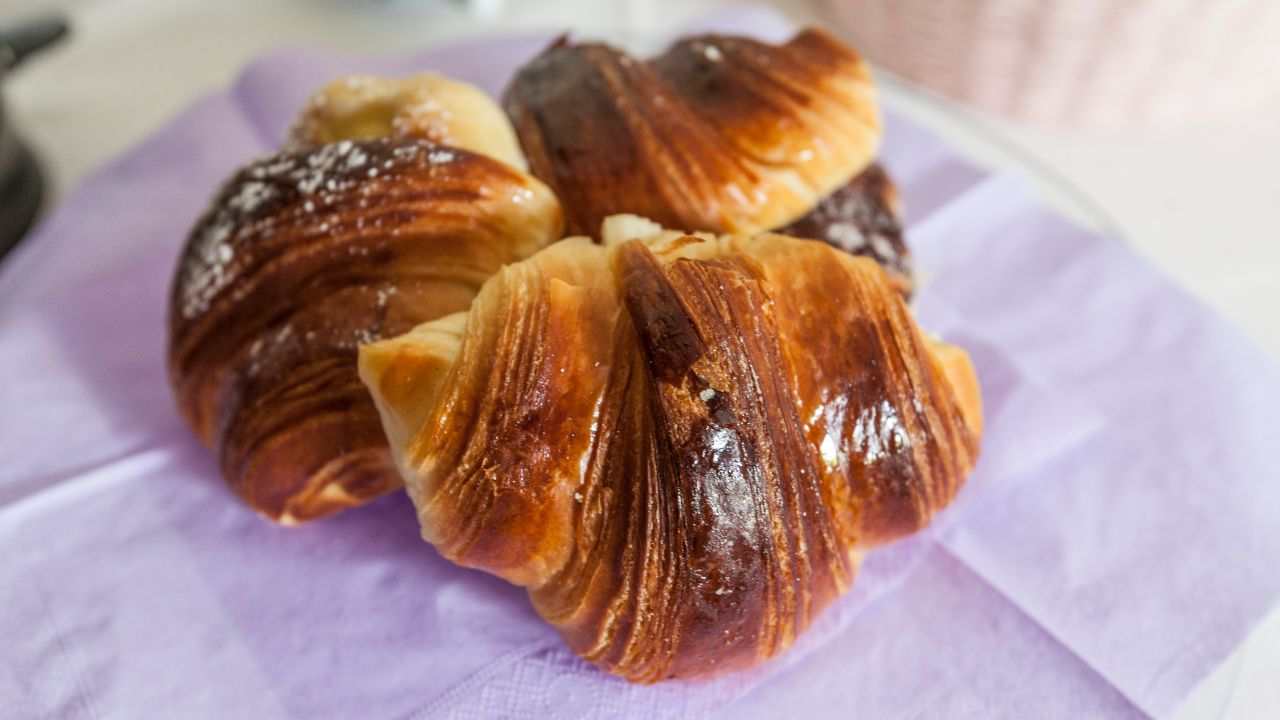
<point x="310" y="252"/>
<point x="680" y="445"/>
<point x="426" y="106"/>
<point x="724" y="134"/>
<point x="862" y="218"/>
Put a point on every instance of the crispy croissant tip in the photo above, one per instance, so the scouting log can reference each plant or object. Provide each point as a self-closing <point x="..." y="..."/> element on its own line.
<point x="954" y="364"/>
<point x="425" y="106"/>
<point x="718" y="133"/>
<point x="680" y="444"/>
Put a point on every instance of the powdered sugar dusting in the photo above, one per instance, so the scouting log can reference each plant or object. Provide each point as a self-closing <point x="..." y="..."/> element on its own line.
<point x="440" y="157"/>
<point x="356" y="158"/>
<point x="251" y="196"/>
<point x="707" y="50"/>
<point x="267" y="345"/>
<point x="882" y="247"/>
<point x="248" y="205"/>
<point x="848" y="235"/>
<point x="406" y="152"/>
<point x="384" y="295"/>
<point x="424" y="117"/>
<point x="353" y="339"/>
<point x="213" y="255"/>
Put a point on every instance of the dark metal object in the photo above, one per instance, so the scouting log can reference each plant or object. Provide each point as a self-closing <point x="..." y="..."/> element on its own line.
<point x="21" y="182"/>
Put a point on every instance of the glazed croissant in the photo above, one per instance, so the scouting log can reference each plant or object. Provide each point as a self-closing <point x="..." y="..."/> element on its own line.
<point x="396" y="199"/>
<point x="679" y="444"/>
<point x="723" y="134"/>
<point x="308" y="253"/>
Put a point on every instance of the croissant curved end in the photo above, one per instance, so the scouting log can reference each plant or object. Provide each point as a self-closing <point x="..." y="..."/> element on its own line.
<point x="681" y="445"/>
<point x="954" y="364"/>
<point x="719" y="133"/>
<point x="425" y="106"/>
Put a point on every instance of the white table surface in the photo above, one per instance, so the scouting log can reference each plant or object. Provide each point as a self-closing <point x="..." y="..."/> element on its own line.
<point x="1203" y="202"/>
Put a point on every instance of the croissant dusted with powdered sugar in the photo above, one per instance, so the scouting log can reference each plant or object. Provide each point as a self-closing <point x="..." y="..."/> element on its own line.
<point x="308" y="253"/>
<point x="679" y="444"/>
<point x="426" y="106"/>
<point x="377" y="218"/>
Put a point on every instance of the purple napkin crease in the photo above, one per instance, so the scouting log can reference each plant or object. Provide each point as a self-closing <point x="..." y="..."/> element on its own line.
<point x="1116" y="542"/>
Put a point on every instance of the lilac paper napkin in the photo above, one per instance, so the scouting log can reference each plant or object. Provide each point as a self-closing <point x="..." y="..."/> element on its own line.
<point x="1116" y="541"/>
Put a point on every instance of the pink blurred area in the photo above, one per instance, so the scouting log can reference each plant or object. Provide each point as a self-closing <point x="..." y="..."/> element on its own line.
<point x="1084" y="63"/>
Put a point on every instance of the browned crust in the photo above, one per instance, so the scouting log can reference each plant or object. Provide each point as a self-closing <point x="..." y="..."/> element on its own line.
<point x="683" y="453"/>
<point x="719" y="133"/>
<point x="301" y="258"/>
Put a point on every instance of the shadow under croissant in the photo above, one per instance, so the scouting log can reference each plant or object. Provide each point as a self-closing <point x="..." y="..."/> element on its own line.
<point x="347" y="597"/>
<point x="110" y="329"/>
<point x="368" y="557"/>
<point x="375" y="521"/>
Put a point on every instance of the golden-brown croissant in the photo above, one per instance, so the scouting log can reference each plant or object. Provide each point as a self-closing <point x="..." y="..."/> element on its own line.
<point x="724" y="134"/>
<point x="679" y="444"/>
<point x="306" y="254"/>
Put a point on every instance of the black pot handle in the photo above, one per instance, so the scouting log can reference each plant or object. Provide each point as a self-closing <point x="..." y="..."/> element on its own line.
<point x="21" y="42"/>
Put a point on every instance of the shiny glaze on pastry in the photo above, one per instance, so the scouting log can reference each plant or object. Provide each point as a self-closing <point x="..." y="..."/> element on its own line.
<point x="719" y="133"/>
<point x="302" y="257"/>
<point x="679" y="444"/>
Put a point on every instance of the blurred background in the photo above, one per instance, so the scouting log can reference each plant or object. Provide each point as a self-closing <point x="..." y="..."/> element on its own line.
<point x="1164" y="114"/>
<point x="1154" y="120"/>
